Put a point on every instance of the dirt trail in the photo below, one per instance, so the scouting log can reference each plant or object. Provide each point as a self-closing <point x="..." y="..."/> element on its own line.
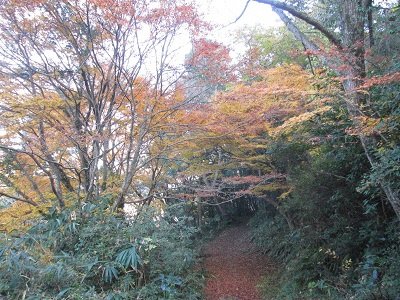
<point x="234" y="266"/>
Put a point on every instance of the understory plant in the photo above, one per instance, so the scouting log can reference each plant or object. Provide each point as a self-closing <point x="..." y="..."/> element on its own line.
<point x="95" y="254"/>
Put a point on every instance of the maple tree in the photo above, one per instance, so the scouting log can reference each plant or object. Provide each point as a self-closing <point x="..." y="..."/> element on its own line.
<point x="209" y="68"/>
<point x="226" y="161"/>
<point x="87" y="89"/>
<point x="211" y="60"/>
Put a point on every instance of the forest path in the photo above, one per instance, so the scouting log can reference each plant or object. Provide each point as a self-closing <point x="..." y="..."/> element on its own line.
<point x="234" y="266"/>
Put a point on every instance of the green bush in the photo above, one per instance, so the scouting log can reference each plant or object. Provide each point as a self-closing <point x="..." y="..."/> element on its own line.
<point x="345" y="244"/>
<point x="99" y="255"/>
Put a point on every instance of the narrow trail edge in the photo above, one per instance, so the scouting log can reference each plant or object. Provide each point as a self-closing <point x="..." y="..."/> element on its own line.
<point x="234" y="266"/>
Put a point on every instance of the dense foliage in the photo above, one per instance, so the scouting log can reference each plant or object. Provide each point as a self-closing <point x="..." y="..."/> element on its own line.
<point x="99" y="255"/>
<point x="345" y="240"/>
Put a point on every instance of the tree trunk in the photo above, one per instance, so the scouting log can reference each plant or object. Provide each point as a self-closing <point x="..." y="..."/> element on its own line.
<point x="199" y="212"/>
<point x="132" y="165"/>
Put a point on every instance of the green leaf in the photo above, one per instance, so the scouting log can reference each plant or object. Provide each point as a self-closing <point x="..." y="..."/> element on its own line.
<point x="129" y="258"/>
<point x="109" y="273"/>
<point x="73" y="227"/>
<point x="91" y="264"/>
<point x="61" y="294"/>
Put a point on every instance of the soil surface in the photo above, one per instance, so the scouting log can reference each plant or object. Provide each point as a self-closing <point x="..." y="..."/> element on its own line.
<point x="234" y="266"/>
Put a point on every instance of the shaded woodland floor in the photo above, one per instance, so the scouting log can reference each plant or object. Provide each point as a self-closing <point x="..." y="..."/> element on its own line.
<point x="234" y="266"/>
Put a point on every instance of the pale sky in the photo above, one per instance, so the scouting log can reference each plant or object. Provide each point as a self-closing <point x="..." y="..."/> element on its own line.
<point x="223" y="12"/>
<point x="226" y="11"/>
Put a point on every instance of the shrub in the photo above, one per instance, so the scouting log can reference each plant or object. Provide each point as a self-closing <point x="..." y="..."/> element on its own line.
<point x="100" y="255"/>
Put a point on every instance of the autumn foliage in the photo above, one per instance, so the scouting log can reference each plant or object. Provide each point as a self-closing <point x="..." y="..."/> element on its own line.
<point x="120" y="147"/>
<point x="79" y="106"/>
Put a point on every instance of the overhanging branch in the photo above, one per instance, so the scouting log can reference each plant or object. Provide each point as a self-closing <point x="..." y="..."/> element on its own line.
<point x="306" y="18"/>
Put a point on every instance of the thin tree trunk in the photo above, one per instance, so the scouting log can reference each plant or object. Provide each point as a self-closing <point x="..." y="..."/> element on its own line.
<point x="131" y="170"/>
<point x="199" y="212"/>
<point x="54" y="169"/>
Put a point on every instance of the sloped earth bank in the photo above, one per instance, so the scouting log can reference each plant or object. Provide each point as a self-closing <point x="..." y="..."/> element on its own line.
<point x="234" y="266"/>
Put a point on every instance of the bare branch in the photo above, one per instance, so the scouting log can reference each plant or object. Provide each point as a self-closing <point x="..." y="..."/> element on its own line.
<point x="242" y="13"/>
<point x="18" y="198"/>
